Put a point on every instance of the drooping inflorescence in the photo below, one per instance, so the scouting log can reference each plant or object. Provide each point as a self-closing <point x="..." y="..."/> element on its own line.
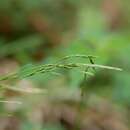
<point x="31" y="70"/>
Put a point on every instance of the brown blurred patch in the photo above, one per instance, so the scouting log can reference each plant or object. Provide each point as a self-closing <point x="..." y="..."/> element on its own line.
<point x="9" y="123"/>
<point x="40" y="24"/>
<point x="101" y="116"/>
<point x="5" y="25"/>
<point x="113" y="13"/>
